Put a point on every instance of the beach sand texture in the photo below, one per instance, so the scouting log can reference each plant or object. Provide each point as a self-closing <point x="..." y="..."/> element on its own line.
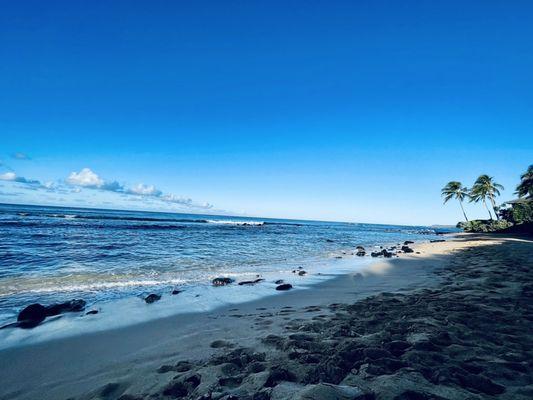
<point x="453" y="322"/>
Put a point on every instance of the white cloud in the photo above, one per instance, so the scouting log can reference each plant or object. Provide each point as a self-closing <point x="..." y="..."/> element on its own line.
<point x="184" y="201"/>
<point x="85" y="178"/>
<point x="145" y="190"/>
<point x="88" y="179"/>
<point x="8" y="176"/>
<point x="12" y="177"/>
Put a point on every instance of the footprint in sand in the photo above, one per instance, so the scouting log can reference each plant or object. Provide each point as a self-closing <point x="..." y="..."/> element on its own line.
<point x="112" y="390"/>
<point x="218" y="344"/>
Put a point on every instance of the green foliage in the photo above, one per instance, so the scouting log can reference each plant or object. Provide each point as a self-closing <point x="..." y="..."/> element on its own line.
<point x="519" y="213"/>
<point x="525" y="188"/>
<point x="484" y="226"/>
<point x="485" y="187"/>
<point x="454" y="189"/>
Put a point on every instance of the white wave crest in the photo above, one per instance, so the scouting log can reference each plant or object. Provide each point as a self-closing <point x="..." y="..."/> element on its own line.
<point x="235" y="222"/>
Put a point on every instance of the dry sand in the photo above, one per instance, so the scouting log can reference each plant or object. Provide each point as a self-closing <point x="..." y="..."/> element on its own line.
<point x="453" y="322"/>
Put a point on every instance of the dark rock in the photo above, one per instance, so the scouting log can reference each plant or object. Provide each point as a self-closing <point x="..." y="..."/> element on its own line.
<point x="176" y="291"/>
<point x="91" y="312"/>
<point x="279" y="282"/>
<point x="360" y="253"/>
<point x="408" y="242"/>
<point x="386" y="254"/>
<point x="75" y="305"/>
<point x="329" y="241"/>
<point x="34" y="314"/>
<point x="437" y="240"/>
<point x="222" y="281"/>
<point x="250" y="282"/>
<point x="407" y="249"/>
<point x="285" y="286"/>
<point x="382" y="253"/>
<point x="360" y="248"/>
<point x="31" y="316"/>
<point x="302" y="273"/>
<point x="152" y="298"/>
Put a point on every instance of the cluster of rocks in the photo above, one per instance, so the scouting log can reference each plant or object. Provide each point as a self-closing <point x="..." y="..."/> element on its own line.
<point x="34" y="314"/>
<point x="389" y="252"/>
<point x="469" y="338"/>
<point x="281" y="286"/>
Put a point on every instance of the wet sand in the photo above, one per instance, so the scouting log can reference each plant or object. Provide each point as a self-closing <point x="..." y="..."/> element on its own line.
<point x="452" y="322"/>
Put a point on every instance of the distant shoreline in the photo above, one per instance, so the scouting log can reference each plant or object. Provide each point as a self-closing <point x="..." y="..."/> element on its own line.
<point x="216" y="215"/>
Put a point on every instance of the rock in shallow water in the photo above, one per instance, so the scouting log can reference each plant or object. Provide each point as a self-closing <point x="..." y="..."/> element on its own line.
<point x="285" y="286"/>
<point x="34" y="314"/>
<point x="152" y="298"/>
<point x="251" y="282"/>
<point x="31" y="316"/>
<point x="407" y="249"/>
<point x="75" y="305"/>
<point x="222" y="281"/>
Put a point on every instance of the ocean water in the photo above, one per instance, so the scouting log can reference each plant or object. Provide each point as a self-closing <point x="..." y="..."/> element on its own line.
<point x="51" y="254"/>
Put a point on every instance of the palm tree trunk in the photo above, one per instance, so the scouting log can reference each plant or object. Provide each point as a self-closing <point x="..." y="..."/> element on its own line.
<point x="494" y="207"/>
<point x="462" y="208"/>
<point x="485" y="204"/>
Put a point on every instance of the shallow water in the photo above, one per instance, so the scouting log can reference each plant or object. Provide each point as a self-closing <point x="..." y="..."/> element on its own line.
<point x="51" y="254"/>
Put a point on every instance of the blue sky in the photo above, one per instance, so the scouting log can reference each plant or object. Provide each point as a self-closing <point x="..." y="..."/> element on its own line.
<point x="352" y="111"/>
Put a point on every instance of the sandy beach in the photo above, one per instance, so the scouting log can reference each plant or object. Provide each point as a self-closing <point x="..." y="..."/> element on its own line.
<point x="452" y="322"/>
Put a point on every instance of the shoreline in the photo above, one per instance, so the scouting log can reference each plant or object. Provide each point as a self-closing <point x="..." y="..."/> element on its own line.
<point x="194" y="299"/>
<point x="128" y="358"/>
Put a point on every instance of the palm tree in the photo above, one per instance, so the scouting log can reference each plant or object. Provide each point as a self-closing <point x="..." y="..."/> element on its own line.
<point x="525" y="188"/>
<point x="484" y="188"/>
<point x="456" y="190"/>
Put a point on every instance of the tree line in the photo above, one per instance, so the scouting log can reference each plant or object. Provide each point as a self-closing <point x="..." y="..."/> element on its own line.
<point x="485" y="190"/>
